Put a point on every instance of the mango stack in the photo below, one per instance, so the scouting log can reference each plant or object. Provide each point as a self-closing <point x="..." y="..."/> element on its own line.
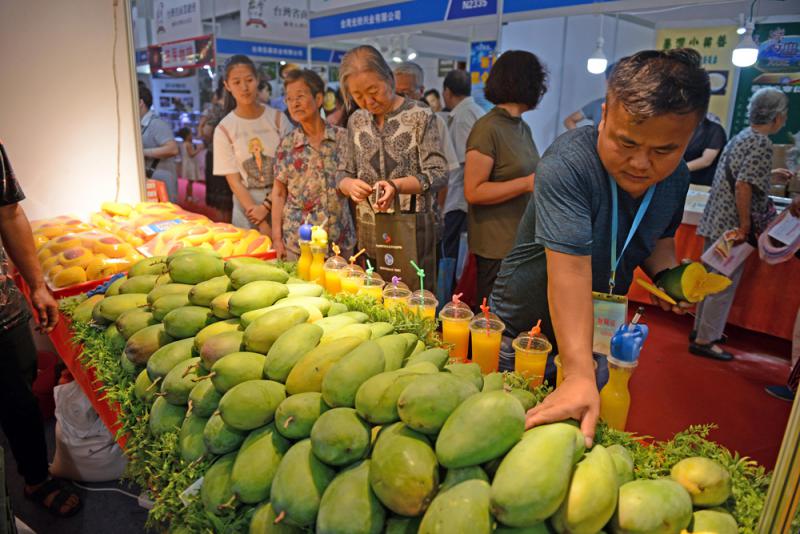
<point x="322" y="421"/>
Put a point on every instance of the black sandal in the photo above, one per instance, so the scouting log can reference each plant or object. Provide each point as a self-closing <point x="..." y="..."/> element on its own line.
<point x="63" y="491"/>
<point x="707" y="351"/>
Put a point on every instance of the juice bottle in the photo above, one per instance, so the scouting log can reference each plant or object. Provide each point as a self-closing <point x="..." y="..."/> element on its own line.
<point x="304" y="262"/>
<point x="530" y="356"/>
<point x="486" y="331"/>
<point x="395" y="294"/>
<point x="423" y="303"/>
<point x="316" y="272"/>
<point x="455" y="318"/>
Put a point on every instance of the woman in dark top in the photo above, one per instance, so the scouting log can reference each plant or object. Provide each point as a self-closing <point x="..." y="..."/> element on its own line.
<point x="500" y="160"/>
<point x="703" y="151"/>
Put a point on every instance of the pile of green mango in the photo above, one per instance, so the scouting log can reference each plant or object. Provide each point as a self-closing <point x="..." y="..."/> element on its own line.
<point x="320" y="420"/>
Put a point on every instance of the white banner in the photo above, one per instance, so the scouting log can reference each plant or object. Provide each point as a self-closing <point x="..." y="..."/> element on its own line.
<point x="176" y="19"/>
<point x="176" y="94"/>
<point x="274" y="20"/>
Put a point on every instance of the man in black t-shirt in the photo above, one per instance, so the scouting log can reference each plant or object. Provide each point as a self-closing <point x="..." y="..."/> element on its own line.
<point x="703" y="152"/>
<point x="20" y="417"/>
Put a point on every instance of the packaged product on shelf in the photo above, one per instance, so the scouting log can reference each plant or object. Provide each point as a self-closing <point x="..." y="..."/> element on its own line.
<point x="224" y="238"/>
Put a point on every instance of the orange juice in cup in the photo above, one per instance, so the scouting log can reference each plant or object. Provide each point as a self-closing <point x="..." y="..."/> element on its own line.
<point x="560" y="372"/>
<point x="395" y="294"/>
<point x="373" y="286"/>
<point x="486" y="331"/>
<point x="352" y="279"/>
<point x="530" y="357"/>
<point x="334" y="267"/>
<point x="423" y="303"/>
<point x="455" y="318"/>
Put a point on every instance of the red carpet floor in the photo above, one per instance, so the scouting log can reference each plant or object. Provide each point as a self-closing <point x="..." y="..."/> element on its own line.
<point x="672" y="389"/>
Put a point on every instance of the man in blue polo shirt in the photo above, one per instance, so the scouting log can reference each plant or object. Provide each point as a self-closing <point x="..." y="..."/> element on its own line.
<point x="627" y="174"/>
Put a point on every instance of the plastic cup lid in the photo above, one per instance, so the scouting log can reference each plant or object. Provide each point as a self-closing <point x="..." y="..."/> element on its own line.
<point x="456" y="311"/>
<point x="479" y="322"/>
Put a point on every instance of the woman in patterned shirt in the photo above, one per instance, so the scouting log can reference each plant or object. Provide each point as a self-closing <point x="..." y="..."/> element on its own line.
<point x="392" y="144"/>
<point x="305" y="171"/>
<point x="739" y="201"/>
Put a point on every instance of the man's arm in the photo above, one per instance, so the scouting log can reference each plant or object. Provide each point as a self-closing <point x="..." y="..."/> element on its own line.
<point x="18" y="242"/>
<point x="744" y="197"/>
<point x="571" y="122"/>
<point x="569" y="292"/>
<point x="704" y="161"/>
<point x="167" y="150"/>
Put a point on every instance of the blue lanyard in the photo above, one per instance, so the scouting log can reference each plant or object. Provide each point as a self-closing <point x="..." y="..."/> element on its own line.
<point x="615" y="225"/>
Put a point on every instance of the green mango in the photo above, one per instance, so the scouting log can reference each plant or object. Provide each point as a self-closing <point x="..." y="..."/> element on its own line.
<point x="128" y="366"/>
<point x="143" y="388"/>
<point x="168" y="289"/>
<point x="219" y="306"/>
<point x="493" y="382"/>
<point x="251" y="404"/>
<point x="403" y="471"/>
<point x="295" y="417"/>
<point x="331" y="325"/>
<point x="180" y="381"/>
<point x="190" y="438"/>
<point x="592" y="495"/>
<point x="195" y="268"/>
<point x="144" y="343"/>
<point x="236" y="368"/>
<point x="713" y="521"/>
<point x="376" y="399"/>
<point x="134" y="320"/>
<point x="394" y="351"/>
<point x="418" y="348"/>
<point x="113" y="288"/>
<point x="264" y="331"/>
<point x="255" y="295"/>
<point x="436" y="356"/>
<point x="345" y="376"/>
<point x="299" y="483"/>
<point x="308" y="372"/>
<point x="110" y="308"/>
<point x="659" y="506"/>
<point x="493" y="413"/>
<point x="339" y="437"/>
<point x="114" y="339"/>
<point x="402" y="525"/>
<point x="167" y="357"/>
<point x="166" y="304"/>
<point x="306" y="290"/>
<point x="258" y="273"/>
<point x="234" y="263"/>
<point x="538" y="528"/>
<point x="163" y="279"/>
<point x="426" y="403"/>
<point x="188" y="321"/>
<point x="138" y="284"/>
<point x="204" y="398"/>
<point x="219" y="438"/>
<point x="533" y="479"/>
<point x="256" y="463"/>
<point x="165" y="417"/>
<point x="361" y="331"/>
<point x="217" y="489"/>
<point x="263" y="521"/>
<point x="623" y="463"/>
<point x="204" y="293"/>
<point x="336" y="309"/>
<point x="247" y="318"/>
<point x="83" y="311"/>
<point x="228" y="325"/>
<point x="462" y="474"/>
<point x="381" y="329"/>
<point x="320" y="303"/>
<point x="462" y="508"/>
<point x="708" y="482"/>
<point x="220" y="345"/>
<point x="359" y="317"/>
<point x="525" y="398"/>
<point x="289" y="348"/>
<point x="349" y="505"/>
<point x="470" y="371"/>
<point x="153" y="265"/>
<point x="411" y="342"/>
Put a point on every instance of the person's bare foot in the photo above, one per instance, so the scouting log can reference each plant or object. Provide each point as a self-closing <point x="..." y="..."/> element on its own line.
<point x="57" y="496"/>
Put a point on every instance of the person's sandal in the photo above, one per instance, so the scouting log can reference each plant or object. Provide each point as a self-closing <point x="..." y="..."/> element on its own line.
<point x="62" y="490"/>
<point x="707" y="351"/>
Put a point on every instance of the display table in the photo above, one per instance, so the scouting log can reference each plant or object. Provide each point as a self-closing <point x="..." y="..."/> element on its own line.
<point x="767" y="298"/>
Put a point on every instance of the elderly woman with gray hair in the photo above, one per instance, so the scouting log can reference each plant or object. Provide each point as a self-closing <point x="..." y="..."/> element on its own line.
<point x="393" y="146"/>
<point x="739" y="201"/>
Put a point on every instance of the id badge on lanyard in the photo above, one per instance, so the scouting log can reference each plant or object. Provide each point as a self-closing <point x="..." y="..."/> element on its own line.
<point x="610" y="310"/>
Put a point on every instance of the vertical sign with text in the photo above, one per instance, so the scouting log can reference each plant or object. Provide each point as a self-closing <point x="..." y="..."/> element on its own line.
<point x="481" y="58"/>
<point x="176" y="20"/>
<point x="274" y="20"/>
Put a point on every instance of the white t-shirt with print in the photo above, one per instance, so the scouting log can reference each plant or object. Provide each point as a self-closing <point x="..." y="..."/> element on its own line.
<point x="248" y="146"/>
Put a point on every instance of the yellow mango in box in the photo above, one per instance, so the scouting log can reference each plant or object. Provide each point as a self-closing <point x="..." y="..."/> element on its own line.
<point x="39" y="240"/>
<point x="100" y="268"/>
<point x="69" y="276"/>
<point x="53" y="271"/>
<point x="249" y="236"/>
<point x="226" y="232"/>
<point x="51" y="230"/>
<point x="116" y="208"/>
<point x="113" y="247"/>
<point x="49" y="263"/>
<point x="64" y="242"/>
<point x="225" y="248"/>
<point x="44" y="253"/>
<point x="77" y="256"/>
<point x="197" y="236"/>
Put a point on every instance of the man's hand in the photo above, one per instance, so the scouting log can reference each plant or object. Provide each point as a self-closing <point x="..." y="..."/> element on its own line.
<point x="782" y="175"/>
<point x="577" y="398"/>
<point x="794" y="207"/>
<point x="257" y="213"/>
<point x="279" y="248"/>
<point x="356" y="189"/>
<point x="681" y="308"/>
<point x="45" y="308"/>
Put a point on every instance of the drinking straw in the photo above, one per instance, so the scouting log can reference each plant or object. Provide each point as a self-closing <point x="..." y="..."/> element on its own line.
<point x="638" y="315"/>
<point x="395" y="281"/>
<point x="355" y="257"/>
<point x="485" y="310"/>
<point x="536" y="330"/>
<point x="336" y="249"/>
<point x="457" y="298"/>
<point x="421" y="274"/>
<point x="369" y="269"/>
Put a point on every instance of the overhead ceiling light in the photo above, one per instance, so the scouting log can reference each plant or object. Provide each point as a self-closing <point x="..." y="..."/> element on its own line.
<point x="597" y="62"/>
<point x="741" y="28"/>
<point x="411" y="54"/>
<point x="283" y="63"/>
<point x="746" y="52"/>
<point x="179" y="69"/>
<point x="397" y="56"/>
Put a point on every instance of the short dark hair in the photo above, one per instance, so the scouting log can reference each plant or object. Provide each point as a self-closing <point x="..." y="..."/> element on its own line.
<point x="307" y="76"/>
<point x="433" y="92"/>
<point x="145" y="95"/>
<point x="654" y="82"/>
<point x="458" y="82"/>
<point x="516" y="77"/>
<point x="183" y="132"/>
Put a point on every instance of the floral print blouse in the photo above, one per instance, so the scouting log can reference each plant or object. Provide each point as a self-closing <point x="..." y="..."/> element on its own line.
<point x="309" y="175"/>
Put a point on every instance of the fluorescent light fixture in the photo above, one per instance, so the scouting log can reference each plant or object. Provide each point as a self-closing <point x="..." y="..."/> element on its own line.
<point x="411" y="55"/>
<point x="597" y="62"/>
<point x="741" y="28"/>
<point x="283" y="63"/>
<point x="746" y="52"/>
<point x="396" y="56"/>
<point x="179" y="69"/>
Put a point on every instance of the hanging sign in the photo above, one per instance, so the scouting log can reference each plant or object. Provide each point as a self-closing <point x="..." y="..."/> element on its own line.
<point x="278" y="20"/>
<point x="261" y="49"/>
<point x="189" y="53"/>
<point x="176" y="20"/>
<point x="445" y="66"/>
<point x="412" y="12"/>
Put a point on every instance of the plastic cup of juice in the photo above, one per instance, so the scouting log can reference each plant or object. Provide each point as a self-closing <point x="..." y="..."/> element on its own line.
<point x="334" y="267"/>
<point x="560" y="372"/>
<point x="455" y="317"/>
<point x="530" y="357"/>
<point x="423" y="303"/>
<point x="395" y="295"/>
<point x="352" y="279"/>
<point x="486" y="332"/>
<point x="373" y="286"/>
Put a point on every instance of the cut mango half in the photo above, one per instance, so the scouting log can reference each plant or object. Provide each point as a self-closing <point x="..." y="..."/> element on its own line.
<point x="652" y="289"/>
<point x="691" y="282"/>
